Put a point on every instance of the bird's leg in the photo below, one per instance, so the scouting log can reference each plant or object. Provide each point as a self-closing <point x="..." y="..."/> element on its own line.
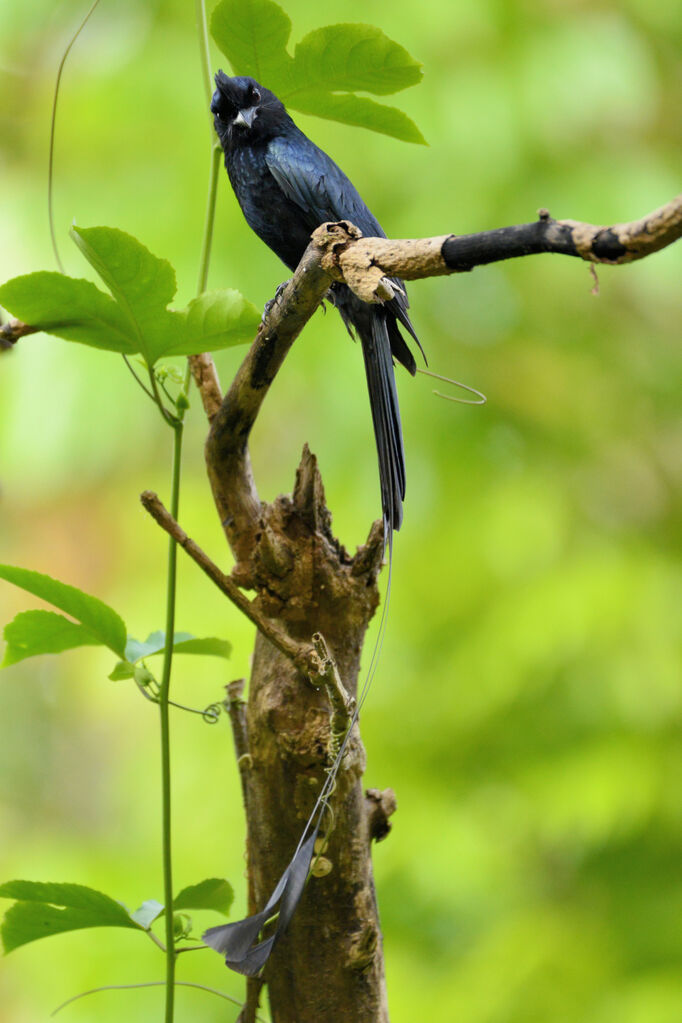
<point x="272" y="302"/>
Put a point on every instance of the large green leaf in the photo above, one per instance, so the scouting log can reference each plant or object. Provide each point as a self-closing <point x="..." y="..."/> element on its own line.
<point x="213" y="893"/>
<point x="70" y="308"/>
<point x="329" y="66"/>
<point x="43" y="632"/>
<point x="99" y="619"/>
<point x="141" y="283"/>
<point x="354" y="58"/>
<point x="360" y="111"/>
<point x="253" y="35"/>
<point x="135" y="317"/>
<point x="43" y="909"/>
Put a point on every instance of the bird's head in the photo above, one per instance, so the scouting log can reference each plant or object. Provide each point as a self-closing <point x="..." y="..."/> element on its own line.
<point x="244" y="110"/>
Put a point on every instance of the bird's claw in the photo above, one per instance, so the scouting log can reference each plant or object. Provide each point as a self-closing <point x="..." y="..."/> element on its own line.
<point x="272" y="302"/>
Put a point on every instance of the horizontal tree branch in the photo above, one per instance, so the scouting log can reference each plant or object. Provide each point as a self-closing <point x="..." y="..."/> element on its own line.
<point x="339" y="252"/>
<point x="365" y="264"/>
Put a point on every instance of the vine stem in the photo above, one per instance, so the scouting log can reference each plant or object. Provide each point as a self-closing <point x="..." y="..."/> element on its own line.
<point x="164" y="717"/>
<point x="171" y="582"/>
<point x="204" y="51"/>
<point x="53" y="123"/>
<point x="216" y="153"/>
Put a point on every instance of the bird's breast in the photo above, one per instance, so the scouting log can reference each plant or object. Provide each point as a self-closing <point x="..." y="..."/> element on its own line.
<point x="275" y="219"/>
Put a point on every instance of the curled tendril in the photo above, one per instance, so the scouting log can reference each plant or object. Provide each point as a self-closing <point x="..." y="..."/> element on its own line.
<point x="150" y="691"/>
<point x="455" y="383"/>
<point x="210" y="714"/>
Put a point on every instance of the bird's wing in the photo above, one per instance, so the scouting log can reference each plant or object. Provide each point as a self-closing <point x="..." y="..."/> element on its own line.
<point x="310" y="179"/>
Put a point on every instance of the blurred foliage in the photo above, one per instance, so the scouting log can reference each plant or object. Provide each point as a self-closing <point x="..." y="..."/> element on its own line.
<point x="527" y="705"/>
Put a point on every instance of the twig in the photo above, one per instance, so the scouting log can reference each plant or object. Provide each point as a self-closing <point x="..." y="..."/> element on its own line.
<point x="236" y="709"/>
<point x="297" y="653"/>
<point x="11" y="332"/>
<point x="206" y="378"/>
<point x="381" y="804"/>
<point x="327" y="674"/>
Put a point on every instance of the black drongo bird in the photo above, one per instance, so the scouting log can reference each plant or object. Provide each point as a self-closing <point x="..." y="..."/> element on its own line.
<point x="286" y="187"/>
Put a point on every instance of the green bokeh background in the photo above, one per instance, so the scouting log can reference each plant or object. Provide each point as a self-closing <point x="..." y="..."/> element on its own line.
<point x="527" y="704"/>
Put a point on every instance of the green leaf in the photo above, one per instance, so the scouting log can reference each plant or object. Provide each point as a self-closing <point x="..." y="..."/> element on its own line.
<point x="217" y="319"/>
<point x="213" y="893"/>
<point x="122" y="670"/>
<point x="209" y="645"/>
<point x="253" y="35"/>
<point x="361" y="111"/>
<point x="44" y="909"/>
<point x="43" y="632"/>
<point x="354" y="58"/>
<point x="141" y="283"/>
<point x="183" y="643"/>
<point x="147" y="913"/>
<point x="329" y="65"/>
<point x="136" y="278"/>
<point x="136" y="319"/>
<point x="98" y="618"/>
<point x="70" y="308"/>
<point x="155" y="643"/>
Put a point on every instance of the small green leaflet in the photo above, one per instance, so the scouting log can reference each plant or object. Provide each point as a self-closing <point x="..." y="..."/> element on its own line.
<point x="147" y="913"/>
<point x="134" y="317"/>
<point x="213" y="893"/>
<point x="43" y="909"/>
<point x="183" y="643"/>
<point x="329" y="65"/>
<point x="39" y="632"/>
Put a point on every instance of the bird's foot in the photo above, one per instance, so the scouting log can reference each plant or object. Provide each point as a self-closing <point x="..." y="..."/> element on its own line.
<point x="327" y="297"/>
<point x="271" y="303"/>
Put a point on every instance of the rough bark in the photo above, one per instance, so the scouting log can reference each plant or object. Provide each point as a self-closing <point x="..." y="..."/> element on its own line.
<point x="367" y="264"/>
<point x="329" y="965"/>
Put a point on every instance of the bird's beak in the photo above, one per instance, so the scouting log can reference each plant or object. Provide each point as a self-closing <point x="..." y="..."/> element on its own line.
<point x="245" y="118"/>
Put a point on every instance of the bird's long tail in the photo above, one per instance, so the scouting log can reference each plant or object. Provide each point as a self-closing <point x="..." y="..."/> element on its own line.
<point x="383" y="399"/>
